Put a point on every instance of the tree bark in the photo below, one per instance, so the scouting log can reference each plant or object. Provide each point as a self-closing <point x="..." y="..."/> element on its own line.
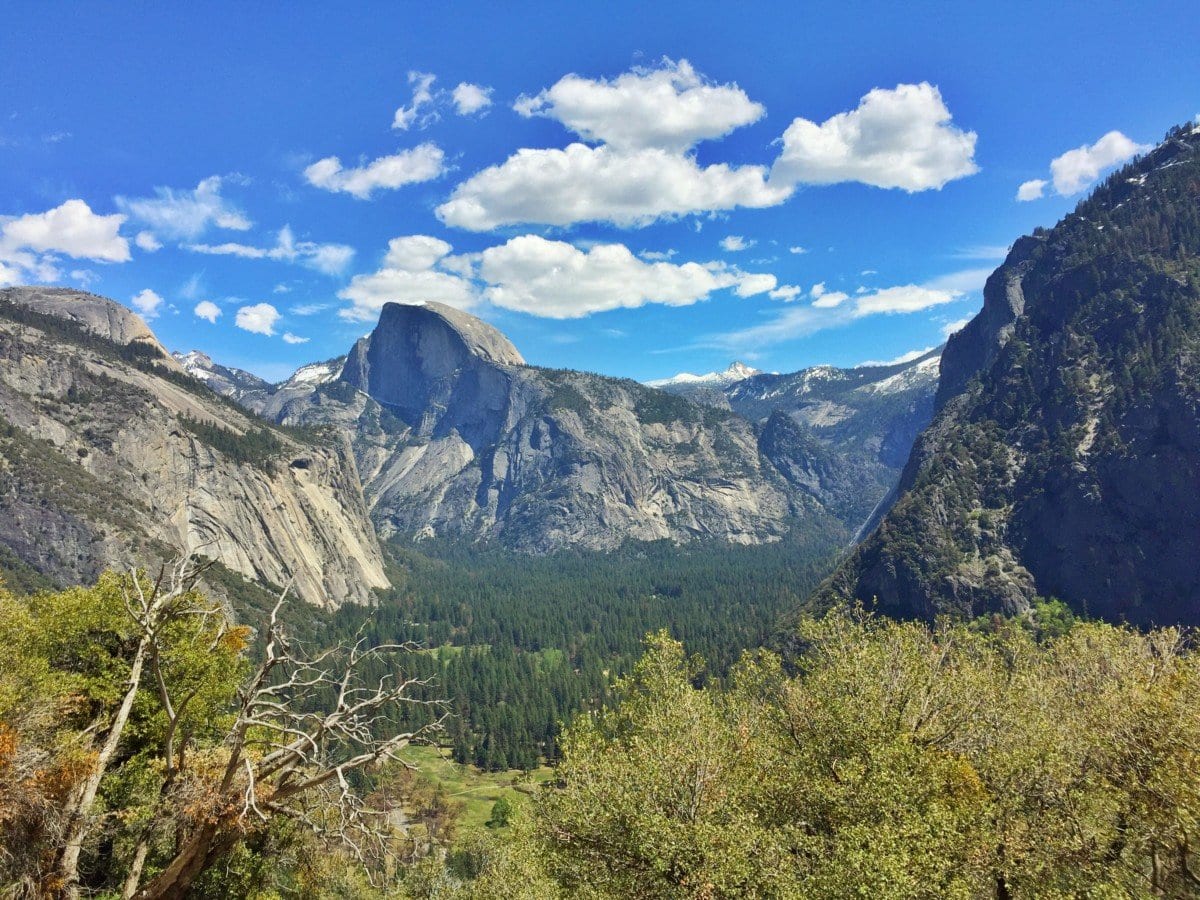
<point x="208" y="844"/>
<point x="79" y="823"/>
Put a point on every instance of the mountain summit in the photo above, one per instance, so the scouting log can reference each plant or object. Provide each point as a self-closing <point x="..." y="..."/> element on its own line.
<point x="1064" y="459"/>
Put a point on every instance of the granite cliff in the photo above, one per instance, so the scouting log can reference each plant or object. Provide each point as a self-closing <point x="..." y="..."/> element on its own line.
<point x="110" y="454"/>
<point x="1064" y="457"/>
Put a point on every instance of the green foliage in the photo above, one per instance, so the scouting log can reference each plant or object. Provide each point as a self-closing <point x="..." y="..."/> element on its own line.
<point x="523" y="643"/>
<point x="1066" y="465"/>
<point x="64" y="671"/>
<point x="901" y="761"/>
<point x="256" y="446"/>
<point x="502" y="812"/>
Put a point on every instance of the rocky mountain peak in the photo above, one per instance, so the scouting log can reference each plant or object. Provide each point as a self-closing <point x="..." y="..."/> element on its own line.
<point x="102" y="317"/>
<point x="436" y="367"/>
<point x="477" y="337"/>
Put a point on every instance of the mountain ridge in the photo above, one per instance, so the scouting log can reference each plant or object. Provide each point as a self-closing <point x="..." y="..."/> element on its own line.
<point x="1064" y="457"/>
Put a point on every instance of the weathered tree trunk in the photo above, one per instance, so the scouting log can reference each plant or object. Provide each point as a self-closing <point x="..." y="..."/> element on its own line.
<point x="209" y="844"/>
<point x="80" y="818"/>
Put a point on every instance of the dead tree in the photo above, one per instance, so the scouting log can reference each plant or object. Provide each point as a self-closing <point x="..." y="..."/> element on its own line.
<point x="287" y="757"/>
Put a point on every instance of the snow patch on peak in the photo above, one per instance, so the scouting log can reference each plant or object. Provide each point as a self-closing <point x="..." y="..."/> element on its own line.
<point x="925" y="370"/>
<point x="737" y="371"/>
<point x="195" y="363"/>
<point x="316" y="373"/>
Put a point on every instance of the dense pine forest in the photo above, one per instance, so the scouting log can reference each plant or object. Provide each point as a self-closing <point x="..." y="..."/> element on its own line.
<point x="520" y="644"/>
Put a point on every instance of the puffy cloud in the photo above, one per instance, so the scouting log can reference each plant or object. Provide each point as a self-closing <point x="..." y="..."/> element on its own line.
<point x="259" y="318"/>
<point x="735" y="242"/>
<point x="329" y="259"/>
<point x="422" y="163"/>
<point x="1077" y="169"/>
<point x="542" y="277"/>
<point x="786" y="293"/>
<point x="289" y="338"/>
<point x="826" y="299"/>
<point x="953" y="327"/>
<point x="645" y="121"/>
<point x="582" y="183"/>
<point x="183" y="214"/>
<point x="557" y="280"/>
<point x="1033" y="189"/>
<point x="207" y="310"/>
<point x="408" y="275"/>
<point x="10" y="274"/>
<point x="471" y="98"/>
<point x="797" y="250"/>
<point x="415" y="252"/>
<point x="901" y="138"/>
<point x="748" y="285"/>
<point x="671" y="107"/>
<point x="147" y="241"/>
<point x="72" y="229"/>
<point x="422" y="97"/>
<point x="147" y="303"/>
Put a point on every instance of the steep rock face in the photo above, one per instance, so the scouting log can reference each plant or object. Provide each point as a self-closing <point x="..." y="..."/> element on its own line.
<point x="1065" y="457"/>
<point x="97" y="315"/>
<point x="111" y="456"/>
<point x="455" y="436"/>
<point x="237" y="384"/>
<point x="844" y="433"/>
<point x="440" y="370"/>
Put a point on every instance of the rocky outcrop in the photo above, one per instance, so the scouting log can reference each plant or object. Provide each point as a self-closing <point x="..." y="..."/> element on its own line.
<point x="113" y="456"/>
<point x="839" y="435"/>
<point x="1064" y="459"/>
<point x="456" y="437"/>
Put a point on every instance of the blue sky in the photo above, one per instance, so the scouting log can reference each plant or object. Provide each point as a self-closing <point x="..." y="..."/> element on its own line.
<point x="630" y="189"/>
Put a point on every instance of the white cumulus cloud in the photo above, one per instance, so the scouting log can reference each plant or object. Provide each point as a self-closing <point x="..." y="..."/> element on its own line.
<point x="898" y="138"/>
<point x="953" y="327"/>
<point x="147" y="303"/>
<point x="147" y="241"/>
<point x="72" y="229"/>
<point x="558" y="280"/>
<point x="1077" y="169"/>
<point x="289" y="338"/>
<point x="786" y="293"/>
<point x="671" y="107"/>
<point x="329" y="259"/>
<point x="602" y="184"/>
<point x="542" y="277"/>
<point x="735" y="242"/>
<point x="184" y="214"/>
<point x="1034" y="189"/>
<point x="408" y="275"/>
<point x="207" y="310"/>
<point x="471" y="98"/>
<point x="422" y="163"/>
<point x="259" y="318"/>
<point x="422" y="98"/>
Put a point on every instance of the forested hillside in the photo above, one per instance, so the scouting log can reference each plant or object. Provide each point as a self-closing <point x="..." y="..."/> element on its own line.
<point x="519" y="646"/>
<point x="1065" y="457"/>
